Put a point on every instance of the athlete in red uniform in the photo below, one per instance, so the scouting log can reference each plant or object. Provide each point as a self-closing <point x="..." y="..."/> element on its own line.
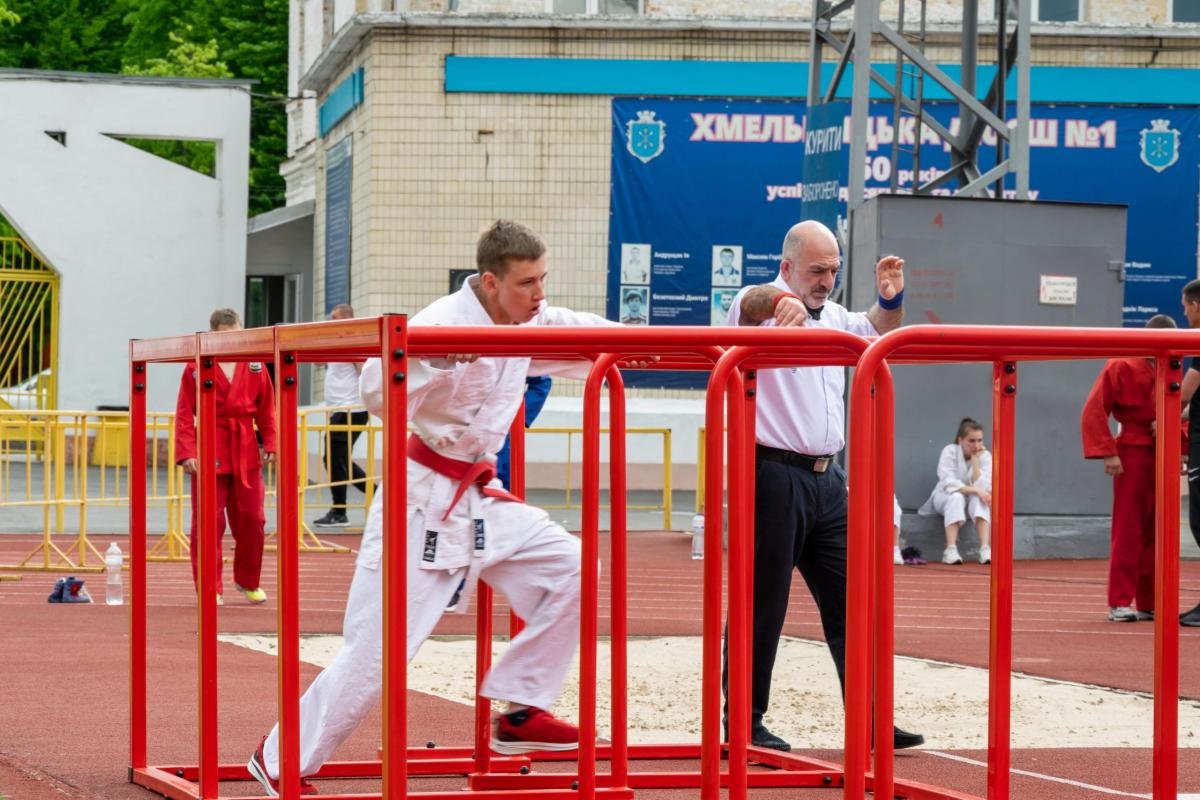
<point x="244" y="397"/>
<point x="1125" y="391"/>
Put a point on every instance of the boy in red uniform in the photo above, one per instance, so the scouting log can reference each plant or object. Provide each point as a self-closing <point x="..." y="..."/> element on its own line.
<point x="244" y="397"/>
<point x="1125" y="390"/>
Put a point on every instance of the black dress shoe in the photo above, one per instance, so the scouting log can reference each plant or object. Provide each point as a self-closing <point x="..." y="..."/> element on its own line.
<point x="903" y="739"/>
<point x="1190" y="619"/>
<point x="761" y="737"/>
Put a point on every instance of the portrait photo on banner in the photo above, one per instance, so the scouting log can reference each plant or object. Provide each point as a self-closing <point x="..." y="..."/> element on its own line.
<point x="635" y="263"/>
<point x="727" y="265"/>
<point x="635" y="305"/>
<point x="722" y="301"/>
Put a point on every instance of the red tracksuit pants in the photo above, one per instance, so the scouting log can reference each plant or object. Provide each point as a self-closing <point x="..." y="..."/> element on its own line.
<point x="1131" y="561"/>
<point x="242" y="506"/>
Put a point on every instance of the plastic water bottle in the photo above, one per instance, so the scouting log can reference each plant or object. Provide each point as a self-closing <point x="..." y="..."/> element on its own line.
<point x="113" y="561"/>
<point x="698" y="537"/>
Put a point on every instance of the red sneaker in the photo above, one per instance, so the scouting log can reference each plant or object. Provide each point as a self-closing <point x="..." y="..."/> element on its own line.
<point x="532" y="729"/>
<point x="258" y="770"/>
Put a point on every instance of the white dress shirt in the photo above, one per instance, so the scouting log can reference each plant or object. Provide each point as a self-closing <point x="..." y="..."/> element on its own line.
<point x="801" y="409"/>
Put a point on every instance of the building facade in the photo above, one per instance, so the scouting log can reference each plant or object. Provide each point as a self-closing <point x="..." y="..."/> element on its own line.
<point x="456" y="113"/>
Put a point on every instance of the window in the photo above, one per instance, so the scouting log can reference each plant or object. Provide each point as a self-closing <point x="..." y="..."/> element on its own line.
<point x="1185" y="11"/>
<point x="610" y="8"/>
<point x="1057" y="10"/>
<point x="1051" y="10"/>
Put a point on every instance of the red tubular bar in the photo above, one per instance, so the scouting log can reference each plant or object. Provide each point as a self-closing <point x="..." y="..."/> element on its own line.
<point x="710" y="685"/>
<point x="137" y="563"/>
<point x="483" y="662"/>
<point x="741" y="566"/>
<point x="739" y="598"/>
<point x="589" y="569"/>
<point x="883" y="624"/>
<point x="288" y="555"/>
<point x="517" y="443"/>
<point x="1004" y="449"/>
<point x="619" y="582"/>
<point x="1166" y="579"/>
<point x="206" y="492"/>
<point x="394" y="344"/>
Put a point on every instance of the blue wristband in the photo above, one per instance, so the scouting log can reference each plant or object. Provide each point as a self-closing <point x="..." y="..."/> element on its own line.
<point x="894" y="303"/>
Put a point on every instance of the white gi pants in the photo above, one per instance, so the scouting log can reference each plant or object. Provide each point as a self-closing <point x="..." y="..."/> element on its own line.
<point x="956" y="506"/>
<point x="531" y="560"/>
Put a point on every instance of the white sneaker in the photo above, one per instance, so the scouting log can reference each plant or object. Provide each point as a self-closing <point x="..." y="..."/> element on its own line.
<point x="950" y="555"/>
<point x="1122" y="614"/>
<point x="896" y="557"/>
<point x="985" y="554"/>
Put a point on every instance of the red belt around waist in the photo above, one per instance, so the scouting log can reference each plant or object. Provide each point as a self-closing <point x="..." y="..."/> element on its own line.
<point x="466" y="473"/>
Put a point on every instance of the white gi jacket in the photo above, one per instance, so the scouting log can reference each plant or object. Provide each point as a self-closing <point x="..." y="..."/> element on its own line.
<point x="954" y="472"/>
<point x="463" y="411"/>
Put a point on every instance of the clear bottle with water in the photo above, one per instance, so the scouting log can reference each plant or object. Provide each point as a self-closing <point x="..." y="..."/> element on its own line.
<point x="113" y="561"/>
<point x="698" y="537"/>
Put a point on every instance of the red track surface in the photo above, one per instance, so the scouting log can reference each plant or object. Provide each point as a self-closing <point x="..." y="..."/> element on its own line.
<point x="64" y="693"/>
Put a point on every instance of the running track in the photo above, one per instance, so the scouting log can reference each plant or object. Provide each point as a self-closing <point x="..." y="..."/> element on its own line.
<point x="63" y="697"/>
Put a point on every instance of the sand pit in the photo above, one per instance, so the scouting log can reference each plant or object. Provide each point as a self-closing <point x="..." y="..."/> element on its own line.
<point x="946" y="702"/>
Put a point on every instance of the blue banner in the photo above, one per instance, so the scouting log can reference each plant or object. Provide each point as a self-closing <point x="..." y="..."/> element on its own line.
<point x="338" y="163"/>
<point x="704" y="190"/>
<point x="825" y="164"/>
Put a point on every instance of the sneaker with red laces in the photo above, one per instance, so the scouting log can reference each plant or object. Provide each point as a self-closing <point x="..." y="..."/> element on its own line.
<point x="258" y="770"/>
<point x="530" y="730"/>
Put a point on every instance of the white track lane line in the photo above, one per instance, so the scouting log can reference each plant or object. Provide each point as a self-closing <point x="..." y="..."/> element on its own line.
<point x="1051" y="778"/>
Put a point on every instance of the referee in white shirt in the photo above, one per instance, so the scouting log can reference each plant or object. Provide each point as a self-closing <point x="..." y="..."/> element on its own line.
<point x="341" y="389"/>
<point x="800" y="506"/>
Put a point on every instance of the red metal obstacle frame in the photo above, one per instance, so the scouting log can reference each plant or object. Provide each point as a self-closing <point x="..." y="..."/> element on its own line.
<point x="389" y="338"/>
<point x="870" y="574"/>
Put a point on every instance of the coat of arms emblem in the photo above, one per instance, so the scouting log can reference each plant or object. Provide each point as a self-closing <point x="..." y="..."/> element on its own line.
<point x="645" y="136"/>
<point x="1160" y="145"/>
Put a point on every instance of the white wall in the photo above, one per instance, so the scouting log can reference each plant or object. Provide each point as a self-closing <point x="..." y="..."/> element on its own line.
<point x="145" y="247"/>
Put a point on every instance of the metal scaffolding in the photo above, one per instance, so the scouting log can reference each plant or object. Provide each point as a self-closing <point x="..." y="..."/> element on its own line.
<point x="977" y="115"/>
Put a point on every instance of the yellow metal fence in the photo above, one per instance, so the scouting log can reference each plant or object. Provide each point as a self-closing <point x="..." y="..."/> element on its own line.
<point x="67" y="472"/>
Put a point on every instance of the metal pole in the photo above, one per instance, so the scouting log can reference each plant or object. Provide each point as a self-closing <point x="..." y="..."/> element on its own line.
<point x="205" y="496"/>
<point x="393" y="338"/>
<point x="618" y="590"/>
<point x="1004" y="433"/>
<point x="137" y="565"/>
<point x="739" y="594"/>
<point x="287" y="502"/>
<point x="1166" y="579"/>
<point x="970" y="59"/>
<point x="884" y="583"/>
<point x="590" y="582"/>
<point x="865" y="14"/>
<point x="1019" y="153"/>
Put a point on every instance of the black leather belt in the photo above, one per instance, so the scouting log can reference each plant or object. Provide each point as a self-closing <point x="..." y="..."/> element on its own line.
<point x="811" y="463"/>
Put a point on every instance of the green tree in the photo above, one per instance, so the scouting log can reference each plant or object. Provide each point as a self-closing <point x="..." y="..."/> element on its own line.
<point x="251" y="39"/>
<point x="187" y="59"/>
<point x="245" y="39"/>
<point x="73" y="35"/>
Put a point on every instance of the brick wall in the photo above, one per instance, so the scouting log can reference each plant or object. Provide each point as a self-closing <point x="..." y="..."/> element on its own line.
<point x="432" y="169"/>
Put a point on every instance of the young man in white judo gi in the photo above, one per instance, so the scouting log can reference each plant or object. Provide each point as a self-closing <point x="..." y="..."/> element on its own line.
<point x="460" y="409"/>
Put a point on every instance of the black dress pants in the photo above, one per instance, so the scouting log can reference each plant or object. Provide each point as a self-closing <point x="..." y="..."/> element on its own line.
<point x="799" y="524"/>
<point x="339" y="445"/>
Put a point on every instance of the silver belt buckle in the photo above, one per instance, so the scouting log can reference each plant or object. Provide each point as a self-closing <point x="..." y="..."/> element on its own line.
<point x="820" y="464"/>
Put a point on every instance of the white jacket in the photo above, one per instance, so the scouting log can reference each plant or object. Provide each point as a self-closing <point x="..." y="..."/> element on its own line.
<point x="462" y="411"/>
<point x="954" y="472"/>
